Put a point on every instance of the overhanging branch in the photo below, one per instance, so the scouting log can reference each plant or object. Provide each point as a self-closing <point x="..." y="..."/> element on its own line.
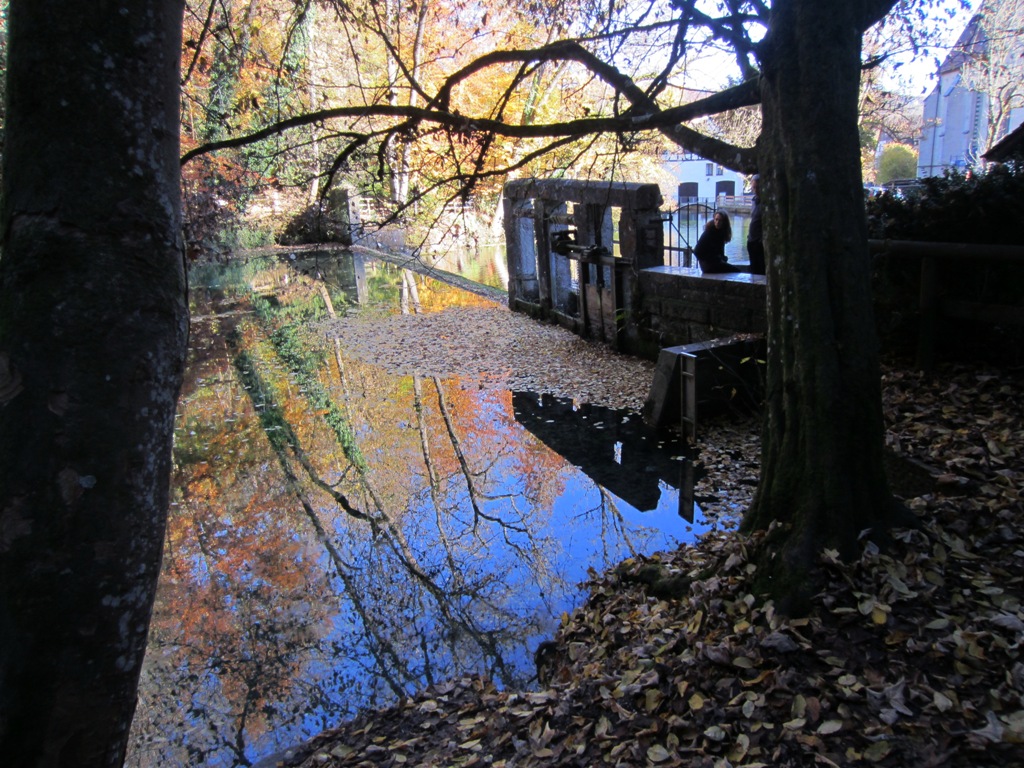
<point x="644" y="113"/>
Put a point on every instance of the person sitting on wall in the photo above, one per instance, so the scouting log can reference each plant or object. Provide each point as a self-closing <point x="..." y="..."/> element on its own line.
<point x="710" y="248"/>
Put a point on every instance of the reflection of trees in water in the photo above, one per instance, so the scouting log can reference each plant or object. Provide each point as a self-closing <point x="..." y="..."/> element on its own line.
<point x="390" y="569"/>
<point x="235" y="617"/>
<point x="308" y="578"/>
<point x="613" y="526"/>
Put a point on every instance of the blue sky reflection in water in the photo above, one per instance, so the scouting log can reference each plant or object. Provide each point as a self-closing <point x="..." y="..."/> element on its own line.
<point x="340" y="535"/>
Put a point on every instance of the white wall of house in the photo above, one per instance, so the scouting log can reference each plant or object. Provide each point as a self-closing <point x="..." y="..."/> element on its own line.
<point x="954" y="131"/>
<point x="953" y="135"/>
<point x="700" y="178"/>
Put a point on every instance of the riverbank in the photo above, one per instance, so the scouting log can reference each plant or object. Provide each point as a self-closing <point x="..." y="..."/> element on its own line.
<point x="910" y="656"/>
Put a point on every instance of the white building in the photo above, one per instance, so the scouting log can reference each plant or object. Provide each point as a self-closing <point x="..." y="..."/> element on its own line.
<point x="955" y="126"/>
<point x="697" y="179"/>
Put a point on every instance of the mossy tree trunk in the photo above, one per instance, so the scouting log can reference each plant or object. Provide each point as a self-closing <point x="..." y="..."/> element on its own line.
<point x="93" y="330"/>
<point x="822" y="471"/>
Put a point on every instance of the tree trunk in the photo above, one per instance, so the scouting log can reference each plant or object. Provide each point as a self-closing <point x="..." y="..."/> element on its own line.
<point x="93" y="331"/>
<point x="822" y="471"/>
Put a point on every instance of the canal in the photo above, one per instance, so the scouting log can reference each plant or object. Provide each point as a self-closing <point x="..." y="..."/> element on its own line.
<point x="341" y="534"/>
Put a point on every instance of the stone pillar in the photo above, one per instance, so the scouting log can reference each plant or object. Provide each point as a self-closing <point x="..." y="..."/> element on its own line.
<point x="521" y="250"/>
<point x="339" y="215"/>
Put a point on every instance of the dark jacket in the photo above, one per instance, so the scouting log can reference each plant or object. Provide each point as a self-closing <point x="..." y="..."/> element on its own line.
<point x="755" y="232"/>
<point x="710" y="251"/>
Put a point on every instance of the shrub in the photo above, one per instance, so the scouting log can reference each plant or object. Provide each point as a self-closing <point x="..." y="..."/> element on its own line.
<point x="974" y="208"/>
<point x="315" y="224"/>
<point x="954" y="208"/>
<point x="898" y="161"/>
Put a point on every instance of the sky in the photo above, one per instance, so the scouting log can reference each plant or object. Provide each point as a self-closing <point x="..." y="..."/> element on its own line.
<point x="916" y="74"/>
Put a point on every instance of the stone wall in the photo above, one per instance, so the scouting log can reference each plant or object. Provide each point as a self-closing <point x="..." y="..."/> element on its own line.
<point x="681" y="306"/>
<point x="571" y="260"/>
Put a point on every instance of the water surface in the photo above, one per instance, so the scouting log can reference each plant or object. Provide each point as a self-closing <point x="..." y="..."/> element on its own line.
<point x="340" y="536"/>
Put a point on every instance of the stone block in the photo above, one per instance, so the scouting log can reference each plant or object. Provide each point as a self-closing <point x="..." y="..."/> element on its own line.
<point x="728" y="374"/>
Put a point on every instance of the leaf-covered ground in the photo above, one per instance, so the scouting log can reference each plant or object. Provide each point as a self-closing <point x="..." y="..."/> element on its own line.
<point x="911" y="656"/>
<point x="491" y="346"/>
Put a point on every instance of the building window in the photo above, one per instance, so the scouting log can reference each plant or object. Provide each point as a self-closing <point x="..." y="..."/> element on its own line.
<point x="709" y="169"/>
<point x="719" y="171"/>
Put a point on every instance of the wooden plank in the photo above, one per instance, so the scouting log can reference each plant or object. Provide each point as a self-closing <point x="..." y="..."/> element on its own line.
<point x="592" y="304"/>
<point x="608" y="320"/>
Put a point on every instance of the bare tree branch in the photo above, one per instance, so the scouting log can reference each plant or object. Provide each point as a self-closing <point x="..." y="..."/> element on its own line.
<point x="199" y="43"/>
<point x="745" y="94"/>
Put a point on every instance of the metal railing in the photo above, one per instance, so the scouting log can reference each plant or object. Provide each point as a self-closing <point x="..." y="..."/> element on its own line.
<point x="679" y="240"/>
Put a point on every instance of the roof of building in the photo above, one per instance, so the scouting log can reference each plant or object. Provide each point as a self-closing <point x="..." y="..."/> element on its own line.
<point x="1011" y="144"/>
<point x="972" y="42"/>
